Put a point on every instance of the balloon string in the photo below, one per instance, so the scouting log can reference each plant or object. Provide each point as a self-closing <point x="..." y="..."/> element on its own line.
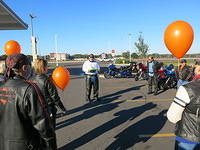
<point x="178" y="64"/>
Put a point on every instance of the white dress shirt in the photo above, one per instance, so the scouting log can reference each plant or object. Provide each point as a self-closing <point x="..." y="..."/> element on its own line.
<point x="91" y="67"/>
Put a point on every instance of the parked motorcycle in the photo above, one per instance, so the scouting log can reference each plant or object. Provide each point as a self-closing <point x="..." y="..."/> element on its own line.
<point x="141" y="73"/>
<point x="122" y="72"/>
<point x="166" y="78"/>
<point x="112" y="72"/>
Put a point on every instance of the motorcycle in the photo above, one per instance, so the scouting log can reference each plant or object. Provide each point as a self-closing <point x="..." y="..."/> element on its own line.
<point x="122" y="72"/>
<point x="125" y="71"/>
<point x="112" y="72"/>
<point x="166" y="78"/>
<point x="141" y="73"/>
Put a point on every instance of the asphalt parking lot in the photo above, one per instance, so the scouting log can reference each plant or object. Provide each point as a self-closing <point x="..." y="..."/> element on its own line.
<point x="126" y="117"/>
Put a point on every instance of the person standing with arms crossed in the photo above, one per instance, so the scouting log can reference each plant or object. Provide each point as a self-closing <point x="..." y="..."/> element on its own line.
<point x="91" y="69"/>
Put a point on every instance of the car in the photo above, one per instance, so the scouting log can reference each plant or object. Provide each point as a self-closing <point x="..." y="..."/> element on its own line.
<point x="106" y="59"/>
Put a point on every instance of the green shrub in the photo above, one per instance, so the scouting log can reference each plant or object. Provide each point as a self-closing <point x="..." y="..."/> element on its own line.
<point x="122" y="61"/>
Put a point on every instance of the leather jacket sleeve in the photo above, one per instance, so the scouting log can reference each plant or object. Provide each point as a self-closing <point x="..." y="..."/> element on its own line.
<point x="39" y="117"/>
<point x="53" y="93"/>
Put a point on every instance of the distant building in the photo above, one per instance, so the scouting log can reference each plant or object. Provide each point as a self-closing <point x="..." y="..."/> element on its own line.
<point x="59" y="56"/>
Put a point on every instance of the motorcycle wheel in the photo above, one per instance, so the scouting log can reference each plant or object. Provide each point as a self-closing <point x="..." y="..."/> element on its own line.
<point x="144" y="76"/>
<point x="136" y="78"/>
<point x="106" y="75"/>
<point x="162" y="85"/>
<point x="117" y="75"/>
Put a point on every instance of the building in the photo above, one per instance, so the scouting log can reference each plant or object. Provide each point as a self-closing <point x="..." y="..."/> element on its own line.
<point x="59" y="56"/>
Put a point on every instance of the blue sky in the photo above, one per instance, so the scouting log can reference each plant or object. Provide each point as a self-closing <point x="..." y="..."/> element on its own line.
<point x="96" y="26"/>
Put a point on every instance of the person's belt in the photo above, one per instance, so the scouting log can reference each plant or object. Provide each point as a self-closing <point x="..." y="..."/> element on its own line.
<point x="91" y="74"/>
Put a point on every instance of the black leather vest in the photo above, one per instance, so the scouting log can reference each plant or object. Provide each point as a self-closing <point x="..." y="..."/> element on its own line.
<point x="189" y="126"/>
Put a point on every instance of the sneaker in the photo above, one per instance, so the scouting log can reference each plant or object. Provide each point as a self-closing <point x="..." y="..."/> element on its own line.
<point x="155" y="93"/>
<point x="149" y="92"/>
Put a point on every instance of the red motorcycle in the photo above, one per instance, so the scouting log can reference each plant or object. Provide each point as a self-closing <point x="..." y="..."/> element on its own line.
<point x="141" y="73"/>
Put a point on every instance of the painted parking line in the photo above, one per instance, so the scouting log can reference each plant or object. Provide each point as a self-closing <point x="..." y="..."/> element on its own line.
<point x="150" y="100"/>
<point x="146" y="100"/>
<point x="157" y="135"/>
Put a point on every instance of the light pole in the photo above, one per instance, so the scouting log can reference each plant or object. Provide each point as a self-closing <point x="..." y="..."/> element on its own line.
<point x="129" y="35"/>
<point x="33" y="39"/>
<point x="56" y="48"/>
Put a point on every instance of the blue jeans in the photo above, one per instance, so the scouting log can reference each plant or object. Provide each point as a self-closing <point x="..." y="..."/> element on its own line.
<point x="181" y="82"/>
<point x="186" y="146"/>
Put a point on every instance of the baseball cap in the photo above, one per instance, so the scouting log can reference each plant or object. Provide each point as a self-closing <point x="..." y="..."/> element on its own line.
<point x="91" y="55"/>
<point x="183" y="61"/>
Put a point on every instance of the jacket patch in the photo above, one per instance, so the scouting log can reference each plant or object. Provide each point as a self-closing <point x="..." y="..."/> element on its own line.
<point x="6" y="95"/>
<point x="4" y="101"/>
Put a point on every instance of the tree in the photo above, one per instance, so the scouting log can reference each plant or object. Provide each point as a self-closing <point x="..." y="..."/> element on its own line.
<point x="125" y="55"/>
<point x="3" y="57"/>
<point x="118" y="55"/>
<point x="142" y="47"/>
<point x="109" y="56"/>
<point x="134" y="55"/>
<point x="79" y="56"/>
<point x="156" y="55"/>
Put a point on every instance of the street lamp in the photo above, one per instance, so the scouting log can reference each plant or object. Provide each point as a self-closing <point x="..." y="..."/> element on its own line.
<point x="129" y="35"/>
<point x="56" y="48"/>
<point x="33" y="39"/>
<point x="32" y="17"/>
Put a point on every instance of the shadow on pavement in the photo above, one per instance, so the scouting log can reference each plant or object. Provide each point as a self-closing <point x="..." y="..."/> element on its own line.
<point x="123" y="91"/>
<point x="104" y="99"/>
<point x="121" y="117"/>
<point x="137" y="97"/>
<point x="133" y="134"/>
<point x="89" y="113"/>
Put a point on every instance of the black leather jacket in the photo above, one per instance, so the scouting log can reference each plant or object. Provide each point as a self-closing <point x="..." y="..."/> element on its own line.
<point x="189" y="126"/>
<point x="23" y="119"/>
<point x="49" y="91"/>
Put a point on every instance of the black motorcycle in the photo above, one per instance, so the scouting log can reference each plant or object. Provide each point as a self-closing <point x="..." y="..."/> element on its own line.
<point x="122" y="72"/>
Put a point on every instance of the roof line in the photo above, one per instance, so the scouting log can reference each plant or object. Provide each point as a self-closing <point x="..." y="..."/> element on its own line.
<point x="13" y="14"/>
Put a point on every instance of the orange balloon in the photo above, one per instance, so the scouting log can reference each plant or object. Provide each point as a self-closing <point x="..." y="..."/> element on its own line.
<point x="12" y="47"/>
<point x="61" y="77"/>
<point x="178" y="38"/>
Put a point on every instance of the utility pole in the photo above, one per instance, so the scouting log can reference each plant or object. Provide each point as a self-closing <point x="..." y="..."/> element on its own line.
<point x="33" y="39"/>
<point x="56" y="48"/>
<point x="129" y="35"/>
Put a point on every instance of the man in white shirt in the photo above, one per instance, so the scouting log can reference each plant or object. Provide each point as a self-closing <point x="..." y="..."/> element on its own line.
<point x="91" y="69"/>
